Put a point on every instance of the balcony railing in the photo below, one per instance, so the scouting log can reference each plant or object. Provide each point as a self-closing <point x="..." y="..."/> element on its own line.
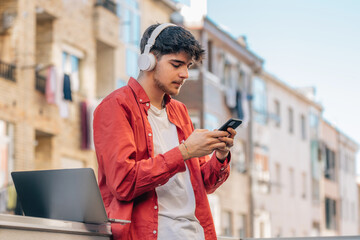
<point x="40" y="82"/>
<point x="7" y="71"/>
<point x="108" y="4"/>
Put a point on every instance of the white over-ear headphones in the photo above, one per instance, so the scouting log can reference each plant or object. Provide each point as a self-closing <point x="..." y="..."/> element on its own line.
<point x="147" y="61"/>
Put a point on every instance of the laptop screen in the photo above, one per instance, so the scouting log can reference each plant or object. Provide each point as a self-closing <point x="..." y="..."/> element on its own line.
<point x="65" y="194"/>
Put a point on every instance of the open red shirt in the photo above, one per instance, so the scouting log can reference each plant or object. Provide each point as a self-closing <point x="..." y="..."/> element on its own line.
<point x="129" y="172"/>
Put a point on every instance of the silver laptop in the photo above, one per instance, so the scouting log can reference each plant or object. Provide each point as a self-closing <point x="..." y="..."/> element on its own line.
<point x="65" y="194"/>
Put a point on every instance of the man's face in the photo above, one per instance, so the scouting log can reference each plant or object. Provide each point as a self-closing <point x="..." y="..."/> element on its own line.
<point x="171" y="71"/>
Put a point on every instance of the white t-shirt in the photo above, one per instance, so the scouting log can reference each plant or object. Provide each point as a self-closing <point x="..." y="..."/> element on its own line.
<point x="176" y="199"/>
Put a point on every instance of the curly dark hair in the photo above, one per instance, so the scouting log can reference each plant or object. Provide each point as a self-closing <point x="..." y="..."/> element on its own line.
<point x="173" y="39"/>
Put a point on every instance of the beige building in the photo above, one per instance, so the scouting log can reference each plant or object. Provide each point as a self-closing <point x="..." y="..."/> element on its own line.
<point x="88" y="48"/>
<point x="340" y="193"/>
<point x="281" y="170"/>
<point x="303" y="170"/>
<point x="217" y="90"/>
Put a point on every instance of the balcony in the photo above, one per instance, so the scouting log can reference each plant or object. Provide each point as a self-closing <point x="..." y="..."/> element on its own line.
<point x="40" y="82"/>
<point x="106" y="23"/>
<point x="7" y="71"/>
<point x="107" y="4"/>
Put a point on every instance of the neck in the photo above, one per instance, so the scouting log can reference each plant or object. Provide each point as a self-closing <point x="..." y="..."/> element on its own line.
<point x="155" y="94"/>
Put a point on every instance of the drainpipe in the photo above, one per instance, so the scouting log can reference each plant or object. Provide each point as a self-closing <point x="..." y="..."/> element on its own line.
<point x="250" y="164"/>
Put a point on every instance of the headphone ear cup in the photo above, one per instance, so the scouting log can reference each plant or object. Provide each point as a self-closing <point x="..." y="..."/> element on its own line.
<point x="152" y="61"/>
<point x="144" y="62"/>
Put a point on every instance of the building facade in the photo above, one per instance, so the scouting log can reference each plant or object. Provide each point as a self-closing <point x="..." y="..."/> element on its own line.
<point x="281" y="169"/>
<point x="58" y="59"/>
<point x="217" y="90"/>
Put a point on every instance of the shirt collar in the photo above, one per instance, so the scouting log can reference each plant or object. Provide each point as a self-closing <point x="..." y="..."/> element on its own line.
<point x="140" y="93"/>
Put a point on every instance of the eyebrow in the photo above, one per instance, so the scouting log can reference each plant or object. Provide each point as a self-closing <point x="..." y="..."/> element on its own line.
<point x="177" y="61"/>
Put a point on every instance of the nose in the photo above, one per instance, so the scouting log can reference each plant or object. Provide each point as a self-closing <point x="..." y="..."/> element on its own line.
<point x="184" y="73"/>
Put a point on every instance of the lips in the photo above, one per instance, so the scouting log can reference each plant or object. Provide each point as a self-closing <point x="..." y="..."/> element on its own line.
<point x="178" y="82"/>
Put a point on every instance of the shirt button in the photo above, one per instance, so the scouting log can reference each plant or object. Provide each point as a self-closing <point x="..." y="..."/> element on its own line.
<point x="147" y="104"/>
<point x="140" y="100"/>
<point x="222" y="169"/>
<point x="155" y="207"/>
<point x="154" y="232"/>
<point x="150" y="134"/>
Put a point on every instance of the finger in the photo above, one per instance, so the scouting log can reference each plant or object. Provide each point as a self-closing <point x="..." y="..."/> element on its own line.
<point x="228" y="141"/>
<point x="213" y="140"/>
<point x="217" y="134"/>
<point x="221" y="146"/>
<point x="232" y="132"/>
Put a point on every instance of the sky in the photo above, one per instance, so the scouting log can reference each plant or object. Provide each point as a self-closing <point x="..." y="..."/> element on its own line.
<point x="304" y="43"/>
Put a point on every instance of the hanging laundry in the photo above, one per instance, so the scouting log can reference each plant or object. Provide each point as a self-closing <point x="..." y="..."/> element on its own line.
<point x="67" y="88"/>
<point x="231" y="97"/>
<point x="50" y="86"/>
<point x="91" y="109"/>
<point x="85" y="143"/>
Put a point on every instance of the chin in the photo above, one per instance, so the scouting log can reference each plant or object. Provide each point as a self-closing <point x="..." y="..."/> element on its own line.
<point x="173" y="93"/>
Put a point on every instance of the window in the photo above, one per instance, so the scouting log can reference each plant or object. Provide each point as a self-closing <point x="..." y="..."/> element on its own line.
<point x="330" y="213"/>
<point x="131" y="63"/>
<point x="227" y="223"/>
<point x="238" y="161"/>
<point x="292" y="182"/>
<point x="211" y="121"/>
<point x="303" y="127"/>
<point x="291" y="120"/>
<point x="71" y="68"/>
<point x="277" y="113"/>
<point x="241" y="226"/>
<point x="226" y="80"/>
<point x="260" y="101"/>
<point x="304" y="185"/>
<point x="314" y="125"/>
<point x="278" y="177"/>
<point x="261" y="161"/>
<point x="129" y="9"/>
<point x="131" y="22"/>
<point x="330" y="172"/>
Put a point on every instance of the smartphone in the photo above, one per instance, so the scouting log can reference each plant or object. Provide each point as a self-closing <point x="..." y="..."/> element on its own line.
<point x="232" y="123"/>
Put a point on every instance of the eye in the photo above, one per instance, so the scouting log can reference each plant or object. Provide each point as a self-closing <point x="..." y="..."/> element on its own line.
<point x="175" y="65"/>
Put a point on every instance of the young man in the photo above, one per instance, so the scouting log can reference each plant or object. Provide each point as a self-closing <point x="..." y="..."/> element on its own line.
<point x="154" y="169"/>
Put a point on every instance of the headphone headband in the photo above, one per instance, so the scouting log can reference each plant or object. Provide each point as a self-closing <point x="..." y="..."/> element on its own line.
<point x="154" y="35"/>
<point x="147" y="61"/>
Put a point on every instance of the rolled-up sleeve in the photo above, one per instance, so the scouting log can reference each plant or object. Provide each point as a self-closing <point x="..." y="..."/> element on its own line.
<point x="214" y="172"/>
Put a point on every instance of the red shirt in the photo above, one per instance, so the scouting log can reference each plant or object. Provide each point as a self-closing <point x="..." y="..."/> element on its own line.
<point x="129" y="172"/>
